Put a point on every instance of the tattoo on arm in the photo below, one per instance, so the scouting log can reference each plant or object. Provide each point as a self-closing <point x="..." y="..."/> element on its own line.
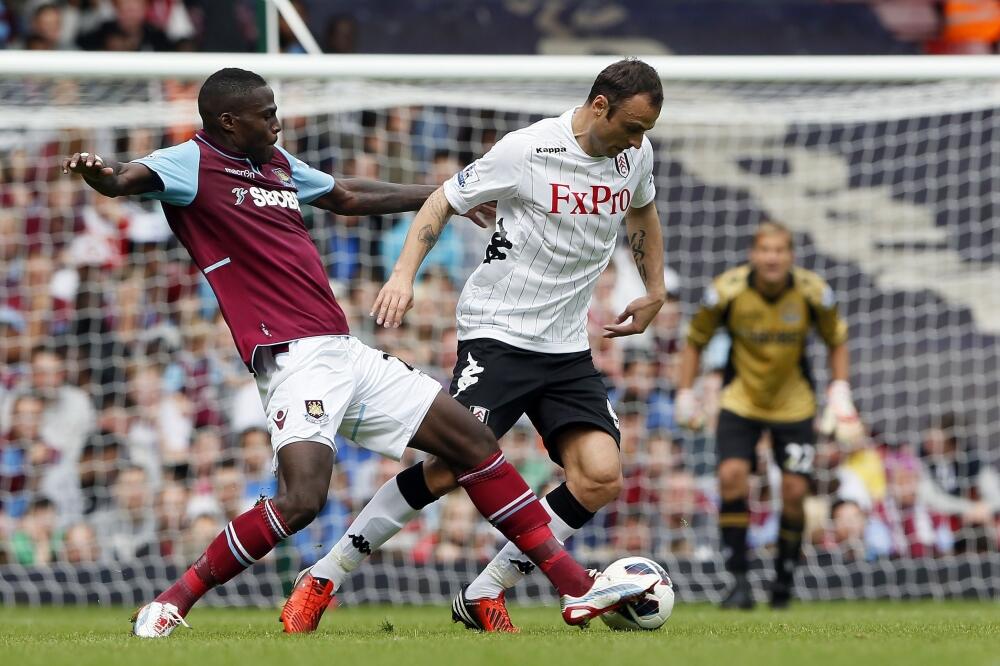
<point x="427" y="236"/>
<point x="439" y="211"/>
<point x="637" y="241"/>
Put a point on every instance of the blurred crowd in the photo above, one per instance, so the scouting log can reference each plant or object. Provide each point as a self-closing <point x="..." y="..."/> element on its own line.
<point x="928" y="26"/>
<point x="157" y="25"/>
<point x="130" y="428"/>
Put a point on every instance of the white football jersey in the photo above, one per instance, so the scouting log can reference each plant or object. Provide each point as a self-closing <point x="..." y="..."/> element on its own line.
<point x="558" y="215"/>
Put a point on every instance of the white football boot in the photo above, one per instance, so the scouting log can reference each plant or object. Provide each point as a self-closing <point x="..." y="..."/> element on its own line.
<point x="156" y="620"/>
<point x="607" y="594"/>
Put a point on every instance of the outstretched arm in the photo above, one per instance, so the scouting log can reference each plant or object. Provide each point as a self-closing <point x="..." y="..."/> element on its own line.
<point x="646" y="241"/>
<point x="362" y="196"/>
<point x="112" y="178"/>
<point x="396" y="296"/>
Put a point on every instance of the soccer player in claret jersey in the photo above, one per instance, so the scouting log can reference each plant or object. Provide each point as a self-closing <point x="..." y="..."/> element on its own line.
<point x="232" y="198"/>
<point x="564" y="185"/>
<point x="768" y="307"/>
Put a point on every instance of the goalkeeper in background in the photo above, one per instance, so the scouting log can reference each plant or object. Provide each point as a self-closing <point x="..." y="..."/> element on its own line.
<point x="768" y="307"/>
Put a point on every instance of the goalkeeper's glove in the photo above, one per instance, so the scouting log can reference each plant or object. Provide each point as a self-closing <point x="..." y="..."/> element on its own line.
<point x="840" y="419"/>
<point x="686" y="412"/>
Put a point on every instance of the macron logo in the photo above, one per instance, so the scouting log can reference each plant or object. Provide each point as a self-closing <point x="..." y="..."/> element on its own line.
<point x="470" y="375"/>
<point x="245" y="173"/>
<point x="240" y="193"/>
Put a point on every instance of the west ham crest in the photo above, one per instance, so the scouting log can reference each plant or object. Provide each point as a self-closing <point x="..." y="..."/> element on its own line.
<point x="282" y="176"/>
<point x="315" y="413"/>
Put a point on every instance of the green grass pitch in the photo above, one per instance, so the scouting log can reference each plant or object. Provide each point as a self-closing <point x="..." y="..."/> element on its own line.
<point x="816" y="634"/>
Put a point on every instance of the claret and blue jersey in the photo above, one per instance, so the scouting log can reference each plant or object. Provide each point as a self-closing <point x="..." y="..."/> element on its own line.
<point x="242" y="225"/>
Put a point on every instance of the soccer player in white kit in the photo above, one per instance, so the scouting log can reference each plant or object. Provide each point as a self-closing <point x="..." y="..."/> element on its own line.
<point x="233" y="200"/>
<point x="563" y="186"/>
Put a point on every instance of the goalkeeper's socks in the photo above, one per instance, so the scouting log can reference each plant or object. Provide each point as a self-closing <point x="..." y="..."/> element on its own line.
<point x="501" y="495"/>
<point x="734" y="520"/>
<point x="396" y="503"/>
<point x="511" y="565"/>
<point x="789" y="547"/>
<point x="248" y="538"/>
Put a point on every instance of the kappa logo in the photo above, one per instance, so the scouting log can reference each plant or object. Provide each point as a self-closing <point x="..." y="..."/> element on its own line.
<point x="361" y="543"/>
<point x="622" y="165"/>
<point x="279" y="418"/>
<point x="552" y="149"/>
<point x="315" y="412"/>
<point x="524" y="566"/>
<point x="241" y="194"/>
<point x="470" y="374"/>
<point x="480" y="413"/>
<point x="614" y="416"/>
<point x="498" y="243"/>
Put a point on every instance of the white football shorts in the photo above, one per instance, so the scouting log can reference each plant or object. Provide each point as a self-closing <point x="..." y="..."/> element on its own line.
<point x="330" y="385"/>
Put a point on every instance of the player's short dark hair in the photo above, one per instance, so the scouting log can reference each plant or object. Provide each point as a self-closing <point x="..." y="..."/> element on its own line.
<point x="224" y="90"/>
<point x="625" y="79"/>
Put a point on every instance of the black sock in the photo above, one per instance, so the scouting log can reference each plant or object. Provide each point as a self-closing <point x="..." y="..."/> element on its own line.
<point x="568" y="508"/>
<point x="413" y="487"/>
<point x="789" y="548"/>
<point x="734" y="519"/>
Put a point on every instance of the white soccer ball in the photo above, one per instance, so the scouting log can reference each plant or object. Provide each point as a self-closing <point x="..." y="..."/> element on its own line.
<point x="649" y="612"/>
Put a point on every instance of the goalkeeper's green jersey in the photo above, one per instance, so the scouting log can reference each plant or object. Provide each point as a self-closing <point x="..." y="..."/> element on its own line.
<point x="767" y="377"/>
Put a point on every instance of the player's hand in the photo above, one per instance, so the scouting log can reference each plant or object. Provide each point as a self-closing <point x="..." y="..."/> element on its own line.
<point x="686" y="412"/>
<point x="393" y="301"/>
<point x="87" y="164"/>
<point x="641" y="311"/>
<point x="840" y="418"/>
<point x="484" y="215"/>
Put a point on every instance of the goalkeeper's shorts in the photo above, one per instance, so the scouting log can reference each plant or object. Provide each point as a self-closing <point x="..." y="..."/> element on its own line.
<point x="794" y="444"/>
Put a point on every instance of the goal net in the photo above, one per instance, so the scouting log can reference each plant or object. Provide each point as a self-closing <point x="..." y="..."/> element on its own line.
<point x="131" y="432"/>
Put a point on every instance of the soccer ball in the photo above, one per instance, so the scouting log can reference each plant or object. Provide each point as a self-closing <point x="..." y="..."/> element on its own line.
<point x="649" y="612"/>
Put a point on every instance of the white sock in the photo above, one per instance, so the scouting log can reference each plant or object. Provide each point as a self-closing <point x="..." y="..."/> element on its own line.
<point x="511" y="565"/>
<point x="379" y="520"/>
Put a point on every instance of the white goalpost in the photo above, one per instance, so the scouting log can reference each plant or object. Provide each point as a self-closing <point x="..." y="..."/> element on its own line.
<point x="886" y="169"/>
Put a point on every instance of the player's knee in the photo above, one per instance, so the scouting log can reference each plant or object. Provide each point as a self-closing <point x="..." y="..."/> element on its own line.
<point x="478" y="445"/>
<point x="733" y="479"/>
<point x="596" y="487"/>
<point x="794" y="489"/>
<point x="299" y="508"/>
<point x="440" y="479"/>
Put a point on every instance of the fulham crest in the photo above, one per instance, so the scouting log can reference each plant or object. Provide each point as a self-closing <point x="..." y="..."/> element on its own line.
<point x="622" y="165"/>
